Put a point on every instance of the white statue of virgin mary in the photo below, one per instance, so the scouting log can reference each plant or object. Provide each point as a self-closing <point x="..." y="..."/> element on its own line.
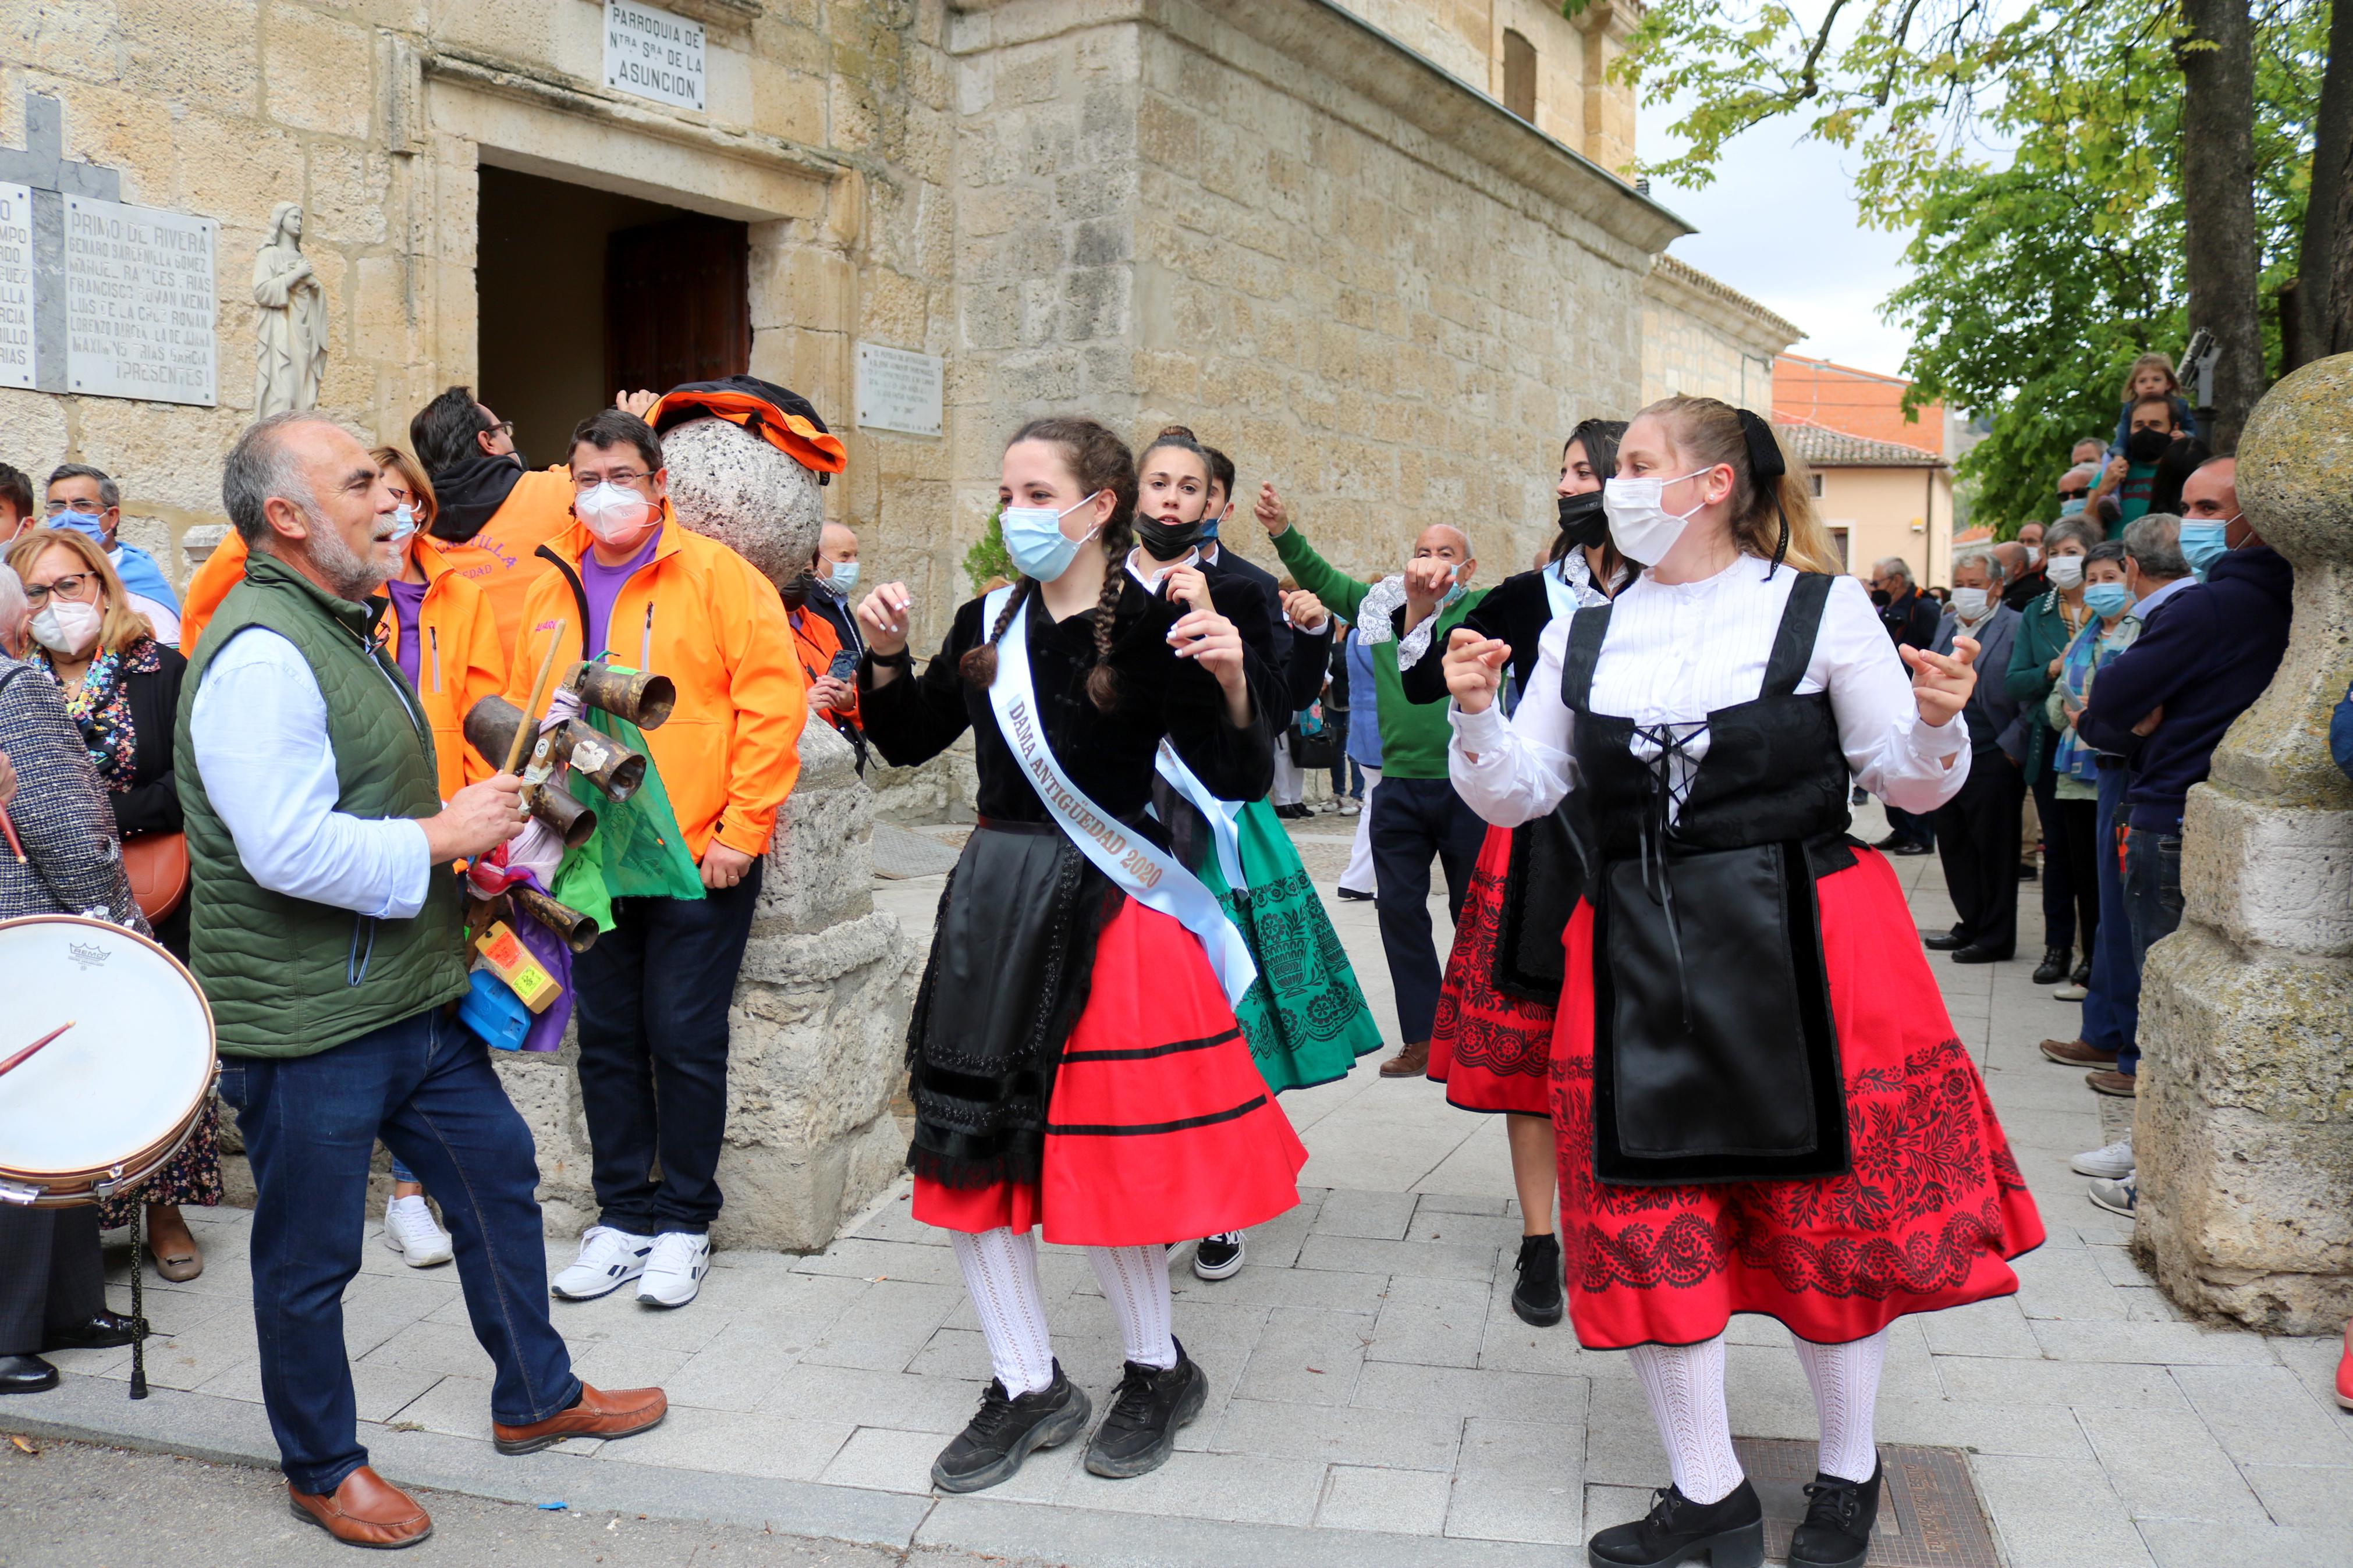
<point x="290" y="347"/>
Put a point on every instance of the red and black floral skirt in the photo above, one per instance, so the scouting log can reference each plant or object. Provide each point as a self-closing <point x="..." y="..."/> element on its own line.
<point x="1493" y="1051"/>
<point x="1160" y="1127"/>
<point x="1928" y="1217"/>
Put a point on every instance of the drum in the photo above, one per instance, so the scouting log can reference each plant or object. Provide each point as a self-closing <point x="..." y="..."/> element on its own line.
<point x="106" y="1103"/>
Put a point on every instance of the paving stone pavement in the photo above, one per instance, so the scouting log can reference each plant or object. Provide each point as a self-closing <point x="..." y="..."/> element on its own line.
<point x="1374" y="1398"/>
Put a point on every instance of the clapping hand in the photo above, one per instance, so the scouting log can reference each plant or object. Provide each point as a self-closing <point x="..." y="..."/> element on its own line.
<point x="1305" y="611"/>
<point x="1186" y="585"/>
<point x="1941" y="683"/>
<point x="1474" y="669"/>
<point x="882" y="617"/>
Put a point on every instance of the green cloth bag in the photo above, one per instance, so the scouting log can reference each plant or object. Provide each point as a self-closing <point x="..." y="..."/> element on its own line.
<point x="637" y="845"/>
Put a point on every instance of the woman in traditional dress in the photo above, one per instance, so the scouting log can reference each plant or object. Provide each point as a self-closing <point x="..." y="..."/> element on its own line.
<point x="1492" y="1043"/>
<point x="1073" y="1057"/>
<point x="1761" y="1103"/>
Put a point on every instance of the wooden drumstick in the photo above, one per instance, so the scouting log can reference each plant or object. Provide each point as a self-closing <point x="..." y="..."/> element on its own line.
<point x="8" y="826"/>
<point x="13" y="1062"/>
<point x="529" y="728"/>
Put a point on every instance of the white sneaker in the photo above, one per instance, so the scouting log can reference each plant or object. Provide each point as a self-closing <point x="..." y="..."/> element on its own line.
<point x="674" y="1273"/>
<point x="608" y="1260"/>
<point x="2071" y="992"/>
<point x="410" y="1229"/>
<point x="2113" y="1162"/>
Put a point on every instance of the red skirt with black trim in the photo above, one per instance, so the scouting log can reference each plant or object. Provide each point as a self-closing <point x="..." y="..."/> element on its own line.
<point x="1160" y="1128"/>
<point x="1928" y="1217"/>
<point x="1492" y="1051"/>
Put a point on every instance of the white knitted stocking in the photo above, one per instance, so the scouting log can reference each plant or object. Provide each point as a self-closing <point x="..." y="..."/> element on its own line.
<point x="1846" y="1389"/>
<point x="1685" y="1385"/>
<point x="1135" y="1280"/>
<point x="1000" y="1270"/>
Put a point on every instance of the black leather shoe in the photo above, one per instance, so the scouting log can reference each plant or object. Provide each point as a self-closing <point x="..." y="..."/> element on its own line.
<point x="1536" y="1299"/>
<point x="1730" y="1533"/>
<point x="1004" y="1432"/>
<point x="1146" y="1410"/>
<point x="1945" y="941"/>
<point x="26" y="1375"/>
<point x="2054" y="967"/>
<point x="103" y="1332"/>
<point x="2083" y="974"/>
<point x="2027" y="873"/>
<point x="1912" y="846"/>
<point x="1839" y="1517"/>
<point x="1973" y="953"/>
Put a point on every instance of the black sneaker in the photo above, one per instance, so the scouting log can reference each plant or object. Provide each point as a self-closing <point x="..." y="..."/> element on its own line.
<point x="1537" y="1296"/>
<point x="1002" y="1433"/>
<point x="2082" y="975"/>
<point x="1839" y="1517"/>
<point x="1219" y="1256"/>
<point x="1731" y="1533"/>
<point x="1146" y="1410"/>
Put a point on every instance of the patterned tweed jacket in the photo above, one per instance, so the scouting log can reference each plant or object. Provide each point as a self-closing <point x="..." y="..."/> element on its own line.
<point x="73" y="861"/>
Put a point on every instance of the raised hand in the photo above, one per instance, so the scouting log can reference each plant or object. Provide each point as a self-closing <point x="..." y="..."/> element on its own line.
<point x="1272" y="514"/>
<point x="1305" y="610"/>
<point x="1426" y="582"/>
<point x="1186" y="585"/>
<point x="1941" y="684"/>
<point x="882" y="618"/>
<point x="1474" y="669"/>
<point x="636" y="403"/>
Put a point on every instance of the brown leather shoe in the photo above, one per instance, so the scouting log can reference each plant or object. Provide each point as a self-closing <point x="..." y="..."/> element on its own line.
<point x="2122" y="1084"/>
<point x="624" y="1413"/>
<point x="1411" y="1061"/>
<point x="2078" y="1054"/>
<point x="366" y="1511"/>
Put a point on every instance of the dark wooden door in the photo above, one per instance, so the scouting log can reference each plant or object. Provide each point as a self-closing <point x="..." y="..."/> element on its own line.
<point x="678" y="305"/>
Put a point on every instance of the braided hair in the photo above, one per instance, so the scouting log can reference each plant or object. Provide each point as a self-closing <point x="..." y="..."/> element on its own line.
<point x="1100" y="461"/>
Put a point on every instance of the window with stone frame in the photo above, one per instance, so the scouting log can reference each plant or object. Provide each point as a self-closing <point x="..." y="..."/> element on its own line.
<point x="1519" y="76"/>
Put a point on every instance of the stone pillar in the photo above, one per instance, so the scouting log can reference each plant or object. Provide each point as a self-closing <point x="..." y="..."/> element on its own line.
<point x="820" y="1027"/>
<point x="2244" y="1129"/>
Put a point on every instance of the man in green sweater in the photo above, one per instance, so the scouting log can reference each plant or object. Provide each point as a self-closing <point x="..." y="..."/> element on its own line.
<point x="1416" y="812"/>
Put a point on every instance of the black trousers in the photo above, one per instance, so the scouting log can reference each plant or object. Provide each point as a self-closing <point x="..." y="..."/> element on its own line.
<point x="51" y="1276"/>
<point x="1415" y="820"/>
<point x="2071" y="887"/>
<point x="653" y="995"/>
<point x="1977" y="838"/>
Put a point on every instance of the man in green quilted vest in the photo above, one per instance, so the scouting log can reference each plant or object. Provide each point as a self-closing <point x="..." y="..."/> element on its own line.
<point x="326" y="925"/>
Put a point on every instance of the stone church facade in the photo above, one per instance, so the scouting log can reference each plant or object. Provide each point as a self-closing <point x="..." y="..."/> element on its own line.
<point x="1313" y="231"/>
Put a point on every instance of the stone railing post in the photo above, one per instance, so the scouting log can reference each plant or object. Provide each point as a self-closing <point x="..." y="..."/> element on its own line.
<point x="2245" y="1125"/>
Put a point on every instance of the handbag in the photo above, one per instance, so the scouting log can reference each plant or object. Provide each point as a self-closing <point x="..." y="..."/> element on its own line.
<point x="157" y="865"/>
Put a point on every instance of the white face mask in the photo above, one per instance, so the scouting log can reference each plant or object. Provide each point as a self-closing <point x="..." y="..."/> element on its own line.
<point x="619" y="517"/>
<point x="403" y="524"/>
<point x="1643" y="529"/>
<point x="2065" y="570"/>
<point x="1969" y="603"/>
<point x="66" y="626"/>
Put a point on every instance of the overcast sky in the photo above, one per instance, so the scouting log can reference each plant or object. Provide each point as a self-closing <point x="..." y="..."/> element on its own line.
<point x="1779" y="224"/>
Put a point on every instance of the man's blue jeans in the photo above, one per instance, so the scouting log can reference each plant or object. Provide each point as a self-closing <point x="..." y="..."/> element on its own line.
<point x="2152" y="889"/>
<point x="425" y="1087"/>
<point x="2112" y="1006"/>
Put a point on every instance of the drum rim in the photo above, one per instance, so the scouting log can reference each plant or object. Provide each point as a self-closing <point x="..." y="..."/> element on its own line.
<point x="47" y="1179"/>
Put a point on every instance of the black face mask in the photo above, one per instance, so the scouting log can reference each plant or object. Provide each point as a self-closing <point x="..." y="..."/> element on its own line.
<point x="2146" y="446"/>
<point x="796" y="589"/>
<point x="1167" y="541"/>
<point x="1583" y="523"/>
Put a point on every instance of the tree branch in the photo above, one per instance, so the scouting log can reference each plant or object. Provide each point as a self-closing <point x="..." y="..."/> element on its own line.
<point x="1822" y="42"/>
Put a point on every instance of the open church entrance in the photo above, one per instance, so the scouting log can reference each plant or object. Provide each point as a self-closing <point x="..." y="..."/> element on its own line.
<point x="581" y="292"/>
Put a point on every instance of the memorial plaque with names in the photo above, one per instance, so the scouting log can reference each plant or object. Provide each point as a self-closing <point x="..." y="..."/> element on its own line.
<point x="653" y="53"/>
<point x="900" y="391"/>
<point x="139" y="302"/>
<point x="16" y="286"/>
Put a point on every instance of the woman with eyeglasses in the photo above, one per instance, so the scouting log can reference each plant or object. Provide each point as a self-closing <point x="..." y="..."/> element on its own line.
<point x="121" y="689"/>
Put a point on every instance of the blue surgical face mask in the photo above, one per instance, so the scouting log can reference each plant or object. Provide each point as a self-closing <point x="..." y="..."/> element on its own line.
<point x="2106" y="599"/>
<point x="404" y="524"/>
<point x="90" y="525"/>
<point x="1208" y="529"/>
<point x="2071" y="506"/>
<point x="2203" y="541"/>
<point x="1041" y="552"/>
<point x="844" y="578"/>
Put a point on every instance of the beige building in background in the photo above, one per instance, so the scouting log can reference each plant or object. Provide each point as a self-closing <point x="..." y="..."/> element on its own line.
<point x="1881" y="499"/>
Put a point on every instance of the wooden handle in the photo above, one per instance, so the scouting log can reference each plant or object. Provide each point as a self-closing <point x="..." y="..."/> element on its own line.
<point x="8" y="826"/>
<point x="529" y="728"/>
<point x="11" y="1064"/>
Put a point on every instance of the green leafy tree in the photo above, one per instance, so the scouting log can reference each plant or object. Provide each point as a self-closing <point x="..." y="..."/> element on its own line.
<point x="988" y="557"/>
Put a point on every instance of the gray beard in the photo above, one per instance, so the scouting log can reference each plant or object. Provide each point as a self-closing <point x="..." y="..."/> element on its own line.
<point x="351" y="575"/>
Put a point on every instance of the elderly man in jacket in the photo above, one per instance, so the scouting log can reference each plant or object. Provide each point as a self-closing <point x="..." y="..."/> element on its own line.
<point x="52" y="1282"/>
<point x="327" y="928"/>
<point x="1977" y="830"/>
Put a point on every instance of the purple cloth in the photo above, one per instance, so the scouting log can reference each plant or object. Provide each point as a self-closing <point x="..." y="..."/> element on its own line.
<point x="408" y="608"/>
<point x="603" y="585"/>
<point x="546" y="1031"/>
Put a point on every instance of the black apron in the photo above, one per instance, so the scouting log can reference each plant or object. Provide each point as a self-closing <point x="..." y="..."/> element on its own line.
<point x="1714" y="1055"/>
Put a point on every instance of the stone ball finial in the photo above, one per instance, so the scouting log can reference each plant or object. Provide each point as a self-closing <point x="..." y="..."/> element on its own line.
<point x="2295" y="464"/>
<point x="735" y="487"/>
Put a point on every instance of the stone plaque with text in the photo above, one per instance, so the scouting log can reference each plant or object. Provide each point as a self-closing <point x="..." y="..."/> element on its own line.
<point x="900" y="391"/>
<point x="16" y="286"/>
<point x="652" y="54"/>
<point x="139" y="302"/>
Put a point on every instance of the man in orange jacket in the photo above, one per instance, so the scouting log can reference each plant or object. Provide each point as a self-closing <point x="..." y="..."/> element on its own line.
<point x="494" y="515"/>
<point x="652" y="994"/>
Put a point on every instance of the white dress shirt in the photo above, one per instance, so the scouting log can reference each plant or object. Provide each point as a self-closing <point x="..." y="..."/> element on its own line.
<point x="260" y="729"/>
<point x="1678" y="652"/>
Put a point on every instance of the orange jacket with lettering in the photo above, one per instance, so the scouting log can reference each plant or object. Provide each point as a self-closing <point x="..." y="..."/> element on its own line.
<point x="817" y="642"/>
<point x="703" y="616"/>
<point x="462" y="660"/>
<point x="500" y="560"/>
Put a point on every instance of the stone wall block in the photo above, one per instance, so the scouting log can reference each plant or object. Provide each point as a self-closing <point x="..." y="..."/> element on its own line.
<point x="2245" y="1125"/>
<point x="315" y="68"/>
